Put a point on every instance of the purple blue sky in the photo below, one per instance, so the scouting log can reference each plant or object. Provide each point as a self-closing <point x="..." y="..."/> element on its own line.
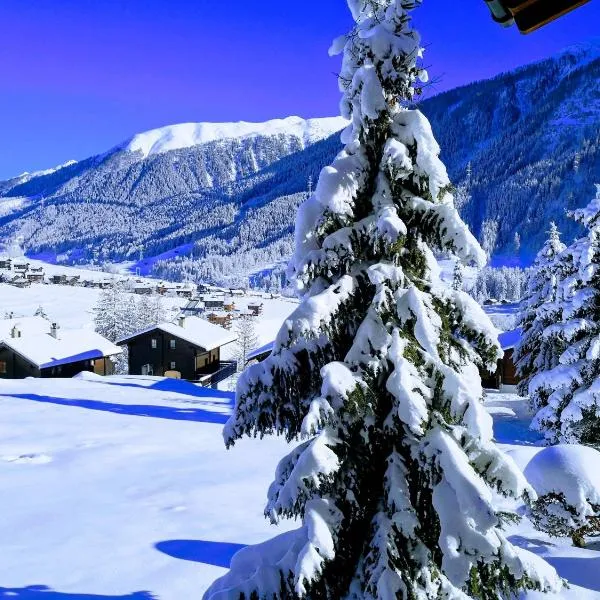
<point x="79" y="76"/>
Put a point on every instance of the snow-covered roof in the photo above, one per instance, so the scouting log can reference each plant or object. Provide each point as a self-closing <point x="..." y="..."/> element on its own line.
<point x="509" y="339"/>
<point x="26" y="325"/>
<point x="195" y="330"/>
<point x="44" y="350"/>
<point x="259" y="351"/>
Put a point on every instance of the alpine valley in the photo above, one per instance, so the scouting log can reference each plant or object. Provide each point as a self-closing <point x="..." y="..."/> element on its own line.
<point x="217" y="202"/>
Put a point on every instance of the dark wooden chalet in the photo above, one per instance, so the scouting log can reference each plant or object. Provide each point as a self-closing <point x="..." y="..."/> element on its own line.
<point x="188" y="349"/>
<point x="33" y="347"/>
<point x="506" y="371"/>
<point x="5" y="263"/>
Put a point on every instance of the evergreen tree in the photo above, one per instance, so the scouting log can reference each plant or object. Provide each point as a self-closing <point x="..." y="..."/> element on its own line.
<point x="535" y="352"/>
<point x="111" y="313"/>
<point x="377" y="371"/>
<point x="247" y="340"/>
<point x="570" y="410"/>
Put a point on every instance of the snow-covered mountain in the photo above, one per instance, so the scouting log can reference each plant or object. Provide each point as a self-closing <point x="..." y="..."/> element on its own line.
<point x="218" y="201"/>
<point x="186" y="135"/>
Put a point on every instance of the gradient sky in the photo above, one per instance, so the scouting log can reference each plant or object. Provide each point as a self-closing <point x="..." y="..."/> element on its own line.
<point x="79" y="76"/>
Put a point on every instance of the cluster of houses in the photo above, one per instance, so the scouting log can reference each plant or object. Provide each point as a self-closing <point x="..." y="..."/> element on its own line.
<point x="20" y="274"/>
<point x="189" y="348"/>
<point x="221" y="309"/>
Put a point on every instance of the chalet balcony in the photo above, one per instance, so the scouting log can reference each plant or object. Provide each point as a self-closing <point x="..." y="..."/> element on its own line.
<point x="216" y="372"/>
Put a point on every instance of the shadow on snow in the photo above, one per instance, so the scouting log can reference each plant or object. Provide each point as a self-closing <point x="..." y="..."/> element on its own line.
<point x="176" y="386"/>
<point x="218" y="554"/>
<point x="198" y="415"/>
<point x="42" y="592"/>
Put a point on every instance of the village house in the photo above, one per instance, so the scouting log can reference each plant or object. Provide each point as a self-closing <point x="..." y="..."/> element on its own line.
<point x="220" y="318"/>
<point x="193" y="308"/>
<point x="20" y="281"/>
<point x="58" y="279"/>
<point x="34" y="347"/>
<point x="5" y="263"/>
<point x="22" y="267"/>
<point x="214" y="303"/>
<point x="34" y="276"/>
<point x="505" y="376"/>
<point x="187" y="349"/>
<point x="256" y="308"/>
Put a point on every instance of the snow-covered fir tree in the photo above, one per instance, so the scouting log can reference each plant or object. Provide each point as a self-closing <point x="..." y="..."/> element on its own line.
<point x="150" y="311"/>
<point x="535" y="352"/>
<point x="570" y="411"/>
<point x="377" y="371"/>
<point x="247" y="340"/>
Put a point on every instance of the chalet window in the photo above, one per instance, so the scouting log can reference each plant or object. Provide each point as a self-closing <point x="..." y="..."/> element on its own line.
<point x="154" y="343"/>
<point x="172" y="344"/>
<point x="3" y="366"/>
<point x="173" y="365"/>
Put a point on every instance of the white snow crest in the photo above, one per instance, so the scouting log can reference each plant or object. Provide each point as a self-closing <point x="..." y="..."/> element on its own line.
<point x="186" y="135"/>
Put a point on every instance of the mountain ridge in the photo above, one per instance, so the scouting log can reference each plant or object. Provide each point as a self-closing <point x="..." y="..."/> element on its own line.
<point x="521" y="147"/>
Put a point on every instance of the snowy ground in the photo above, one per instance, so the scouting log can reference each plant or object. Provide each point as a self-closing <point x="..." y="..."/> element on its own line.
<point x="120" y="488"/>
<point x="116" y="486"/>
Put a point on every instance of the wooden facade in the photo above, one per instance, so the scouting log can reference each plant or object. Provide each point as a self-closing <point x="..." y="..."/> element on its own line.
<point x="15" y="366"/>
<point x="162" y="354"/>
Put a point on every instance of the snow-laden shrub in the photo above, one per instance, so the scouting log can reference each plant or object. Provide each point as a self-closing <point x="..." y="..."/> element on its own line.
<point x="566" y="479"/>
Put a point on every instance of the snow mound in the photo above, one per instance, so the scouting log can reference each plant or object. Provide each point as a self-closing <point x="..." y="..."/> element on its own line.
<point x="572" y="470"/>
<point x="185" y="135"/>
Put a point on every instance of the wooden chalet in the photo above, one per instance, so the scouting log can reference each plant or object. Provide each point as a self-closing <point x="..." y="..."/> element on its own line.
<point x="229" y="305"/>
<point x="20" y="281"/>
<point x="34" y="277"/>
<point x="214" y="303"/>
<point x="193" y="308"/>
<point x="33" y="347"/>
<point x="23" y="267"/>
<point x="58" y="279"/>
<point x="506" y="371"/>
<point x="221" y="318"/>
<point x="256" y="308"/>
<point x="6" y="264"/>
<point x="188" y="349"/>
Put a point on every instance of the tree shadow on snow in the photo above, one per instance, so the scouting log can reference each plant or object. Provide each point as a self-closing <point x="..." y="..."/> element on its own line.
<point x="218" y="554"/>
<point x="177" y="386"/>
<point x="583" y="571"/>
<point x="42" y="592"/>
<point x="197" y="415"/>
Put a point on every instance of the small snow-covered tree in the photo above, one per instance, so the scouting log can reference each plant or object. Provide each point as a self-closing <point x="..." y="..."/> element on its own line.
<point x="567" y="482"/>
<point x="377" y="371"/>
<point x="116" y="316"/>
<point x="570" y="411"/>
<point x="247" y="340"/>
<point x="535" y="352"/>
<point x="150" y="311"/>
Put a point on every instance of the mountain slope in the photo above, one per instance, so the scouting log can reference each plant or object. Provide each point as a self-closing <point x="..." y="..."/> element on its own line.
<point x="218" y="201"/>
